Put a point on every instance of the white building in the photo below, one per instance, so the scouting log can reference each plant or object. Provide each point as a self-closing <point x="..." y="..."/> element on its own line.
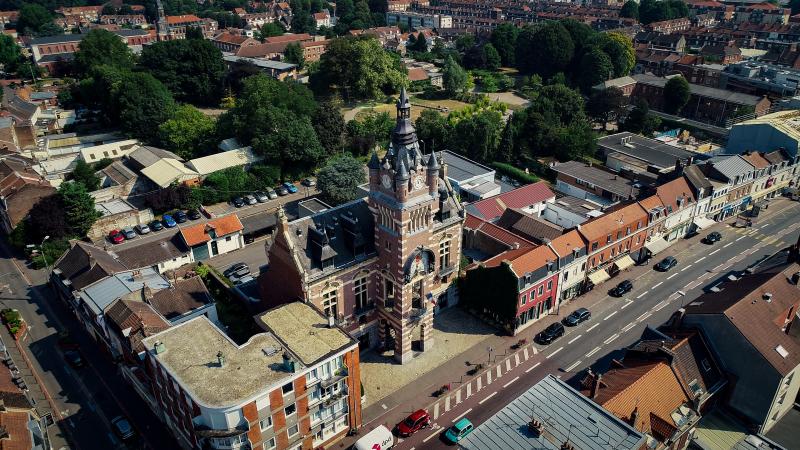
<point x="215" y="237"/>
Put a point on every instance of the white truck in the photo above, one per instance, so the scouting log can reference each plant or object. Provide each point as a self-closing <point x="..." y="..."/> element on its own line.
<point x="378" y="439"/>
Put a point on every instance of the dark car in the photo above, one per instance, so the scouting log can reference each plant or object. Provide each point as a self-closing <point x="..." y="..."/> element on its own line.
<point x="309" y="182"/>
<point x="667" y="263"/>
<point x="281" y="191"/>
<point x="622" y="289"/>
<point x="180" y="216"/>
<point x="237" y="270"/>
<point x="156" y="225"/>
<point x="237" y="202"/>
<point x="714" y="236"/>
<point x="66" y="342"/>
<point x="577" y="316"/>
<point x="74" y="358"/>
<point x="169" y="222"/>
<point x="416" y="421"/>
<point x="550" y="334"/>
<point x="194" y="214"/>
<point x="123" y="428"/>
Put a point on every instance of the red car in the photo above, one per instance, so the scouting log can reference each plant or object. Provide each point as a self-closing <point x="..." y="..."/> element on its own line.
<point x="116" y="237"/>
<point x="413" y="423"/>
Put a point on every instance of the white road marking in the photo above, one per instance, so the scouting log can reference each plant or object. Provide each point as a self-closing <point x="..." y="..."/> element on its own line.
<point x="641" y="317"/>
<point x="507" y="384"/>
<point x="672" y="276"/>
<point x="516" y="359"/>
<point x="657" y="285"/>
<point x="499" y="372"/>
<point x="715" y="251"/>
<point x="628" y="327"/>
<point x="525" y="353"/>
<point x="469" y="389"/>
<point x="686" y="267"/>
<point x="595" y="350"/>
<point x="611" y="339"/>
<point x="436" y="411"/>
<point x="533" y="367"/>
<point x="592" y="327"/>
<point x="574" y="365"/>
<point x="610" y="315"/>
<point x="383" y="405"/>
<point x="641" y="295"/>
<point x="508" y="365"/>
<point x="488" y="397"/>
<point x="480" y="384"/>
<point x="552" y="354"/>
<point x="740" y="238"/>
<point x="627" y="304"/>
<point x="431" y="436"/>
<point x="575" y="339"/>
<point x="700" y="259"/>
<point x="660" y="306"/>
<point x="727" y="245"/>
<point x="462" y="415"/>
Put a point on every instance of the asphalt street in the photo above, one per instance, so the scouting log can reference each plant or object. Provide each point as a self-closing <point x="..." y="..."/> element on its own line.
<point x="615" y="324"/>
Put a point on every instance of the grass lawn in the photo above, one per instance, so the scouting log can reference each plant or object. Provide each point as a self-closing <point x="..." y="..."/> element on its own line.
<point x="416" y="109"/>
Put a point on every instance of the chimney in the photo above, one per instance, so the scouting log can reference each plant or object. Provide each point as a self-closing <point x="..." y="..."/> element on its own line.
<point x="220" y="359"/>
<point x="595" y="385"/>
<point x="795" y="278"/>
<point x="634" y="416"/>
<point x="567" y="446"/>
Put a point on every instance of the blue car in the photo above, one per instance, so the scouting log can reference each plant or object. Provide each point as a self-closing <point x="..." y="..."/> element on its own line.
<point x="290" y="187"/>
<point x="169" y="222"/>
<point x="459" y="431"/>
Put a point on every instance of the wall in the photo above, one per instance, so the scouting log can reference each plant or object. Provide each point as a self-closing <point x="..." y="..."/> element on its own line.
<point x="562" y="217"/>
<point x="131" y="218"/>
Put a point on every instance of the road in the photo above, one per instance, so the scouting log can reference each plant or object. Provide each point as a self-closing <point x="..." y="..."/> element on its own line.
<point x="616" y="323"/>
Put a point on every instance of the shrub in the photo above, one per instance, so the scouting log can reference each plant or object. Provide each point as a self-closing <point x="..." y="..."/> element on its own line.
<point x="513" y="172"/>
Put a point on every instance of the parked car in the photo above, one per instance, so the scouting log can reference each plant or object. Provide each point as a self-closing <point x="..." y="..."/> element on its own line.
<point x="237" y="202"/>
<point x="459" y="430"/>
<point x="65" y="341"/>
<point x="622" y="288"/>
<point x="290" y="187"/>
<point x="309" y="182"/>
<point x="550" y="334"/>
<point x="272" y="194"/>
<point x="416" y="421"/>
<point x="667" y="263"/>
<point x="261" y="196"/>
<point x="169" y="222"/>
<point x="116" y="237"/>
<point x="250" y="199"/>
<point x="194" y="214"/>
<point x="143" y="228"/>
<point x="156" y="225"/>
<point x="128" y="233"/>
<point x="281" y="191"/>
<point x="123" y="429"/>
<point x="242" y="280"/>
<point x="238" y="269"/>
<point x="74" y="358"/>
<point x="714" y="236"/>
<point x="180" y="216"/>
<point x="577" y="316"/>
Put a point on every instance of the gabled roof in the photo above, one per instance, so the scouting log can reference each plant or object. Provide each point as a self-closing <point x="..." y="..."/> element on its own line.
<point x="153" y="252"/>
<point x="608" y="181"/>
<point x="530" y="227"/>
<point x="200" y="233"/>
<point x="565" y="244"/>
<point x="223" y="160"/>
<point x="118" y="173"/>
<point x="84" y="264"/>
<point x="186" y="18"/>
<point x="731" y="166"/>
<point x="675" y="192"/>
<point x="495" y="232"/>
<point x="598" y="228"/>
<point x="135" y="320"/>
<point x="697" y="178"/>
<point x="524" y="260"/>
<point x="756" y="160"/>
<point x="526" y="196"/>
<point x="184" y="296"/>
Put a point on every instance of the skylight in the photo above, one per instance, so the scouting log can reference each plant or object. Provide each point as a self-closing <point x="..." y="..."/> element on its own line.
<point x="781" y="351"/>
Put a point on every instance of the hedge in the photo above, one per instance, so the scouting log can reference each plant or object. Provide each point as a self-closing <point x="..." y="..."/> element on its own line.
<point x="513" y="172"/>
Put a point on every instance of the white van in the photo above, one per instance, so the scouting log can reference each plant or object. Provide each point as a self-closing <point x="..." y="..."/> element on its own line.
<point x="378" y="439"/>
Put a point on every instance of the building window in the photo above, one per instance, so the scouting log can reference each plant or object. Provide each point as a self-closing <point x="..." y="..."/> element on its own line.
<point x="293" y="430"/>
<point x="360" y="291"/>
<point x="608" y="239"/>
<point x="549" y="285"/>
<point x="227" y="238"/>
<point x="541" y="290"/>
<point x="330" y="304"/>
<point x="627" y="231"/>
<point x="524" y="298"/>
<point x="311" y="375"/>
<point x="265" y="423"/>
<point x="619" y="235"/>
<point x="594" y="246"/>
<point x="289" y="410"/>
<point x="388" y="290"/>
<point x="270" y="444"/>
<point x="444" y="254"/>
<point x="287" y="388"/>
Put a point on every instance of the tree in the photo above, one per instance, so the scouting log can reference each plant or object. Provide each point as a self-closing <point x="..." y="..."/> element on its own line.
<point x="630" y="9"/>
<point x="580" y="33"/>
<point x="189" y="133"/>
<point x="596" y="67"/>
<point x="676" y="94"/>
<point x="359" y="68"/>
<point x="492" y="57"/>
<point x="269" y="29"/>
<point x="33" y="18"/>
<point x="504" y="40"/>
<point x="369" y="130"/>
<point x="329" y="126"/>
<point x="144" y="104"/>
<point x="294" y="54"/>
<point x="606" y="105"/>
<point x="339" y="179"/>
<point x="191" y="69"/>
<point x="546" y="49"/>
<point x="102" y="47"/>
<point x="10" y="54"/>
<point x="420" y="43"/>
<point x="194" y="33"/>
<point x="286" y="139"/>
<point x="79" y="209"/>
<point x="433" y="129"/>
<point x="260" y="91"/>
<point x="658" y="10"/>
<point x="465" y="42"/>
<point x="47" y="218"/>
<point x="454" y="78"/>
<point x="478" y="135"/>
<point x="619" y="49"/>
<point x="84" y="174"/>
<point x="640" y="121"/>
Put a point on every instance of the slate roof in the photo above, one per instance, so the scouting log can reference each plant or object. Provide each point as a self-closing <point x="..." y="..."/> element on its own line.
<point x="153" y="252"/>
<point x="775" y="157"/>
<point x="650" y="151"/>
<point x="608" y="181"/>
<point x="146" y="156"/>
<point x="84" y="264"/>
<point x="566" y="415"/>
<point x="460" y="168"/>
<point x="731" y="166"/>
<point x="530" y="227"/>
<point x="697" y="178"/>
<point x="19" y="202"/>
<point x="136" y="319"/>
<point x="101" y="294"/>
<point x="703" y="91"/>
<point x="118" y="173"/>
<point x="184" y="296"/>
<point x="495" y="232"/>
<point x="492" y="208"/>
<point x="11" y="395"/>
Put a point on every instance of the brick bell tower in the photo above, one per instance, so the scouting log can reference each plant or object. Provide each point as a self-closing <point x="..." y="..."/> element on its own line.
<point x="403" y="197"/>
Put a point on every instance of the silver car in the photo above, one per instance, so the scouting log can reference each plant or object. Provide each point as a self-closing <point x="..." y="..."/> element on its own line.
<point x="143" y="228"/>
<point x="272" y="194"/>
<point x="250" y="199"/>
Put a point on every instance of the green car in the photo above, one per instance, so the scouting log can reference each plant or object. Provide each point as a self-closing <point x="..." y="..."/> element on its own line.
<point x="459" y="430"/>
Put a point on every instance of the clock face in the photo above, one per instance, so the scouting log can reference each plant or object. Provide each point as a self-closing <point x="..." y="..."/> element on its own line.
<point x="386" y="181"/>
<point x="418" y="183"/>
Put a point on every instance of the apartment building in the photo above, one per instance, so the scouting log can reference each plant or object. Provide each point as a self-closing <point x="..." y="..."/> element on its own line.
<point x="294" y="386"/>
<point x="417" y="20"/>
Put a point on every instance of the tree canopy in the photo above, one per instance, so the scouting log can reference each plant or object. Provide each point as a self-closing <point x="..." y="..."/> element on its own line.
<point x="10" y="53"/>
<point x="596" y="67"/>
<point x="191" y="69"/>
<point x="101" y="47"/>
<point x="504" y="40"/>
<point x="144" y="104"/>
<point x="640" y="121"/>
<point x="676" y="94"/>
<point x="658" y="10"/>
<point x="630" y="9"/>
<point x="294" y="54"/>
<point x="606" y="105"/>
<point x="33" y="19"/>
<point x="269" y="29"/>
<point x="454" y="78"/>
<point x="339" y="179"/>
<point x="188" y="133"/>
<point x="329" y="126"/>
<point x="545" y="49"/>
<point x="79" y="210"/>
<point x="84" y="174"/>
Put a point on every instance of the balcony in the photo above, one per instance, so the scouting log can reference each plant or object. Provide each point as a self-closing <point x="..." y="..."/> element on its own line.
<point x="366" y="309"/>
<point x="447" y="270"/>
<point x="340" y="375"/>
<point x="417" y="314"/>
<point x="388" y="305"/>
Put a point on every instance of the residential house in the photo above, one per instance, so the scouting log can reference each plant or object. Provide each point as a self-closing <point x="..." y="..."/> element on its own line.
<point x="20" y="190"/>
<point x="679" y="207"/>
<point x="175" y="27"/>
<point x="722" y="54"/>
<point x="82" y="265"/>
<point x="565" y="419"/>
<point x="531" y="199"/>
<point x="215" y="237"/>
<point x="568" y="211"/>
<point x="164" y="254"/>
<point x="483" y="240"/>
<point x="572" y="256"/>
<point x="703" y="191"/>
<point x="739" y="175"/>
<point x="128" y="321"/>
<point x="322" y="19"/>
<point x="751" y="325"/>
<point x="583" y="180"/>
<point x="762" y="13"/>
<point x="670" y="26"/>
<point x="296" y="385"/>
<point x="528" y="226"/>
<point x="21" y="425"/>
<point x="415" y="20"/>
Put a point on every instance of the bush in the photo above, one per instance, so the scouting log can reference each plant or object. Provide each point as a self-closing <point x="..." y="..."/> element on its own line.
<point x="51" y="251"/>
<point x="513" y="172"/>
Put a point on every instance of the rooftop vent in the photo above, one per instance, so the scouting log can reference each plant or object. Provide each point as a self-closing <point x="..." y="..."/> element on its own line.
<point x="220" y="359"/>
<point x="160" y="347"/>
<point x="269" y="350"/>
<point x="781" y="351"/>
<point x="767" y="297"/>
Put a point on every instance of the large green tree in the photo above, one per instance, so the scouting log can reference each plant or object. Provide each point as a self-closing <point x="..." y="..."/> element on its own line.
<point x="596" y="67"/>
<point x="504" y="40"/>
<point x="358" y="68"/>
<point x="269" y="29"/>
<point x="676" y="94"/>
<point x="102" y="47"/>
<point x="454" y="77"/>
<point x="143" y="104"/>
<point x="545" y="49"/>
<point x="640" y="120"/>
<point x="619" y="49"/>
<point x="191" y="69"/>
<point x="84" y="174"/>
<point x="189" y="133"/>
<point x="658" y="10"/>
<point x="606" y="105"/>
<point x="368" y="130"/>
<point x="329" y="126"/>
<point x="492" y="57"/>
<point x="478" y="135"/>
<point x="79" y="208"/>
<point x="630" y="9"/>
<point x="10" y="54"/>
<point x="339" y="179"/>
<point x="33" y="18"/>
<point x="294" y="54"/>
<point x="434" y="129"/>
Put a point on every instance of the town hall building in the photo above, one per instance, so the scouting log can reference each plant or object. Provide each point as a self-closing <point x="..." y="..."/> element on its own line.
<point x="379" y="266"/>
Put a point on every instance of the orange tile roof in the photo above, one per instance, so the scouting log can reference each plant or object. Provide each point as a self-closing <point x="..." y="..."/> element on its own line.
<point x="16" y="425"/>
<point x="417" y="74"/>
<point x="524" y="259"/>
<point x="564" y="244"/>
<point x="603" y="225"/>
<point x="197" y="234"/>
<point x="757" y="160"/>
<point x="188" y="18"/>
<point x="651" y="203"/>
<point x="669" y="193"/>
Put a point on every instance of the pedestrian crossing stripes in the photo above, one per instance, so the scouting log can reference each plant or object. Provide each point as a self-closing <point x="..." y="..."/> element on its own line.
<point x="508" y="364"/>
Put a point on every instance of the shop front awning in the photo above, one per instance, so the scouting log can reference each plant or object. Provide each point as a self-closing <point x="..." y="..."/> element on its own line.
<point x="656" y="246"/>
<point x="624" y="262"/>
<point x="703" y="222"/>
<point x="598" y="277"/>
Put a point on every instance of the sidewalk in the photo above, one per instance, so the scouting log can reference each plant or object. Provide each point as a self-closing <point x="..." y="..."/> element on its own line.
<point x="454" y="371"/>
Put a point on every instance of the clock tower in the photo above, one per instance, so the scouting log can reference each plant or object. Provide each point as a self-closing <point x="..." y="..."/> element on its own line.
<point x="413" y="208"/>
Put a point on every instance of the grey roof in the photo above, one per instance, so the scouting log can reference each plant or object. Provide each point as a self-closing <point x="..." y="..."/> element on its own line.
<point x="731" y="166"/>
<point x="461" y="169"/>
<point x="651" y="151"/>
<point x="57" y="39"/>
<point x="606" y="180"/>
<point x="84" y="264"/>
<point x="118" y="173"/>
<point x="261" y="63"/>
<point x="102" y="293"/>
<point x="579" y="206"/>
<point x="146" y="156"/>
<point x="154" y="252"/>
<point x="697" y="178"/>
<point x="703" y="91"/>
<point x="566" y="415"/>
<point x="43" y="95"/>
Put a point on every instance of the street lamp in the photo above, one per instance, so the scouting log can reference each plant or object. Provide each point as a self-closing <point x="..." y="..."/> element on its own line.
<point x="44" y="255"/>
<point x="490" y="349"/>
